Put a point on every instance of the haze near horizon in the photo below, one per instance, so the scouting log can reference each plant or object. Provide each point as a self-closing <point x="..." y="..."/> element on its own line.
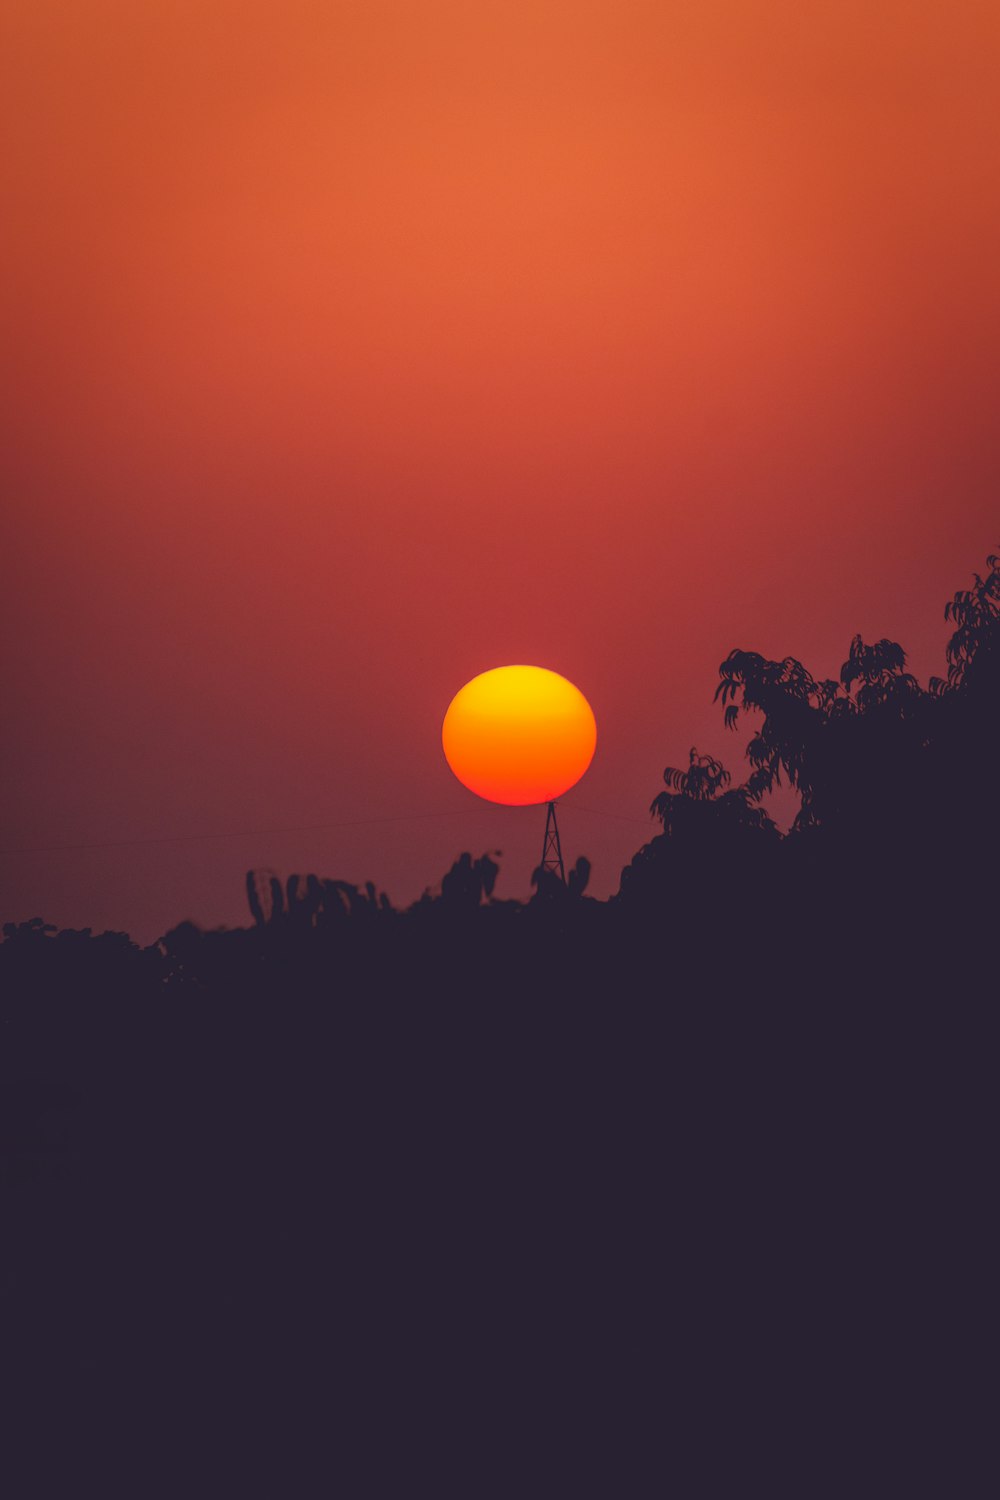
<point x="355" y="348"/>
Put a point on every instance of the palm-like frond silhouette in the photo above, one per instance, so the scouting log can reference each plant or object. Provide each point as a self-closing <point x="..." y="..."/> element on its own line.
<point x="704" y="778"/>
<point x="975" y="613"/>
<point x="880" y="671"/>
<point x="833" y="741"/>
<point x="697" y="799"/>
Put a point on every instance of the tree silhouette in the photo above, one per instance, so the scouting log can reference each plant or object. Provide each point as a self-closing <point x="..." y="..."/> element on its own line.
<point x="469" y="882"/>
<point x="697" y="803"/>
<point x="898" y="807"/>
<point x="708" y="835"/>
<point x="853" y="749"/>
<point x="879" y="671"/>
<point x="702" y="788"/>
<point x="702" y="781"/>
<point x="974" y="648"/>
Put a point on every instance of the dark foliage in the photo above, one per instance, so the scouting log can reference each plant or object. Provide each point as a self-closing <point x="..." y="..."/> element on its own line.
<point x="482" y="1190"/>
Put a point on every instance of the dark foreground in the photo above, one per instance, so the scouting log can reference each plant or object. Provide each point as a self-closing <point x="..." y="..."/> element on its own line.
<point x="493" y="1205"/>
<point x="688" y="1193"/>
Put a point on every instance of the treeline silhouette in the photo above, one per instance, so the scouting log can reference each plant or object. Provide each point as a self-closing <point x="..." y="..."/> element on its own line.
<point x="899" y="811"/>
<point x="525" y="1183"/>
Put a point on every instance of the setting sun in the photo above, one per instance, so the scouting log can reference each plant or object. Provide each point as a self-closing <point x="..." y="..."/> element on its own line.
<point x="519" y="735"/>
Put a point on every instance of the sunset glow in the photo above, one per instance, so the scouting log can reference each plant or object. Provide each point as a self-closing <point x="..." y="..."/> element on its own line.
<point x="352" y="346"/>
<point x="519" y="735"/>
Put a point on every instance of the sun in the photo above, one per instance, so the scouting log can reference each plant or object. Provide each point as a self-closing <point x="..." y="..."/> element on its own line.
<point x="519" y="735"/>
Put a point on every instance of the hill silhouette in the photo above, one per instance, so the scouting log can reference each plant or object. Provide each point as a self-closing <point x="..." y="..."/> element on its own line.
<point x="493" y="1191"/>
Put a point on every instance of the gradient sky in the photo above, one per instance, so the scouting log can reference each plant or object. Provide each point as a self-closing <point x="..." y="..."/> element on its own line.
<point x="351" y="349"/>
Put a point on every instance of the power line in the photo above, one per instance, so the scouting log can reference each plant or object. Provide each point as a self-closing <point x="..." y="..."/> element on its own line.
<point x="244" y="833"/>
<point x="599" y="812"/>
<point x="257" y="833"/>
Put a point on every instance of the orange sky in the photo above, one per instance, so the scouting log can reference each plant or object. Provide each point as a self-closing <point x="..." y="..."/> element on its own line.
<point x="351" y="349"/>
